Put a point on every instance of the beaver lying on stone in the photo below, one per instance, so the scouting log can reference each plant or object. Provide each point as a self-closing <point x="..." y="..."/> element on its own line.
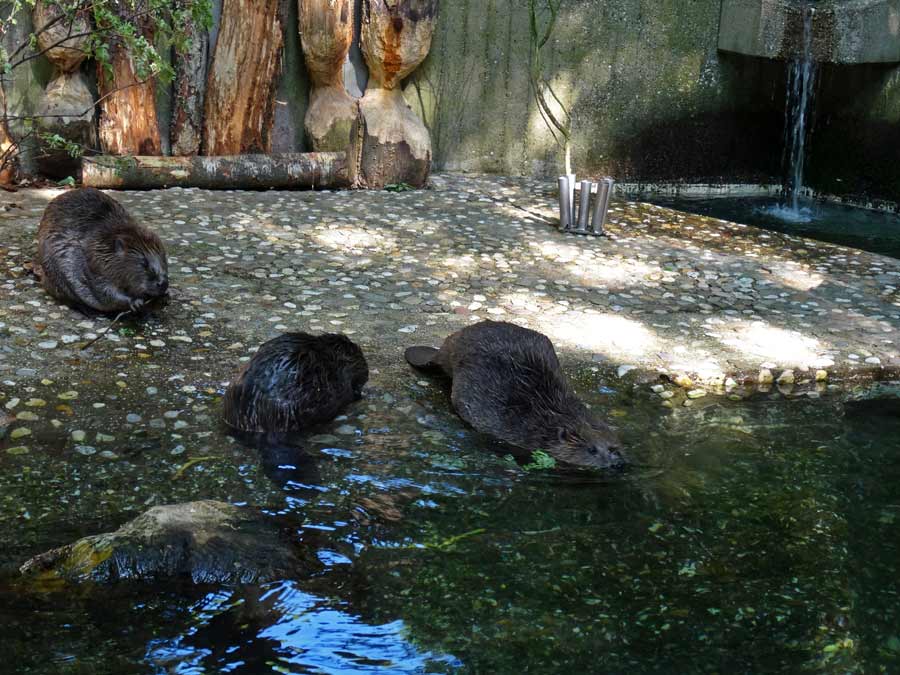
<point x="507" y="383"/>
<point x="294" y="382"/>
<point x="93" y="255"/>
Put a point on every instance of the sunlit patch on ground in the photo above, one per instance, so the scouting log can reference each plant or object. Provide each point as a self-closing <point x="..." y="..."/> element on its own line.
<point x="609" y="334"/>
<point x="785" y="347"/>
<point x="348" y="237"/>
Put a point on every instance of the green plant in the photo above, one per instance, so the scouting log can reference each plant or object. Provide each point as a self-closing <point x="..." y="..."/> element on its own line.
<point x="540" y="461"/>
<point x="398" y="187"/>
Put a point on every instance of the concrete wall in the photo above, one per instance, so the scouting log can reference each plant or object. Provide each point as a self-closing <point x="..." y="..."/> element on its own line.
<point x="653" y="98"/>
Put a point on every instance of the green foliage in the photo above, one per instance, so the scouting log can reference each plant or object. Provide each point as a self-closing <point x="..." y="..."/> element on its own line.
<point x="68" y="181"/>
<point x="57" y="142"/>
<point x="398" y="187"/>
<point x="540" y="461"/>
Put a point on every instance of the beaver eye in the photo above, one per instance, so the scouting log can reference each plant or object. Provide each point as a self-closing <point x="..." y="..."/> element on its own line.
<point x="593" y="450"/>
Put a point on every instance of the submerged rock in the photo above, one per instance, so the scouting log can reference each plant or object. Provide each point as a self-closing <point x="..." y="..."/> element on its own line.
<point x="206" y="541"/>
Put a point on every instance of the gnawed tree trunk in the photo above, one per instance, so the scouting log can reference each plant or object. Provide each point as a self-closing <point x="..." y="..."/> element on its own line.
<point x="326" y="33"/>
<point x="67" y="106"/>
<point x="190" y="90"/>
<point x="389" y="144"/>
<point x="236" y="172"/>
<point x="128" y="123"/>
<point x="240" y="94"/>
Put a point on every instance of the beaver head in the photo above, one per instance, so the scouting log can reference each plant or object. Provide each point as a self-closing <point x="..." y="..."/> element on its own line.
<point x="587" y="442"/>
<point x="137" y="264"/>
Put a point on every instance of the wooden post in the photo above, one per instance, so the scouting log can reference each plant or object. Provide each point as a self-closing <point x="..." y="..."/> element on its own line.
<point x="128" y="123"/>
<point x="240" y="94"/>
<point x="389" y="143"/>
<point x="67" y="106"/>
<point x="8" y="153"/>
<point x="190" y="89"/>
<point x="237" y="172"/>
<point x="326" y="33"/>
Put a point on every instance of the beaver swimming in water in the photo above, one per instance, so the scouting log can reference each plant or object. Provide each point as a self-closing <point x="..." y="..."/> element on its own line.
<point x="296" y="381"/>
<point x="507" y="383"/>
<point x="93" y="255"/>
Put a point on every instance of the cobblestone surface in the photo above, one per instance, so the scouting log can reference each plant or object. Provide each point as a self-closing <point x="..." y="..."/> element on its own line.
<point x="697" y="299"/>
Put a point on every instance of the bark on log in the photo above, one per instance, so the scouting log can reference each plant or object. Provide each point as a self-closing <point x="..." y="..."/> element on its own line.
<point x="8" y="149"/>
<point x="326" y="33"/>
<point x="128" y="123"/>
<point x="190" y="90"/>
<point x="236" y="172"/>
<point x="240" y="95"/>
<point x="389" y="144"/>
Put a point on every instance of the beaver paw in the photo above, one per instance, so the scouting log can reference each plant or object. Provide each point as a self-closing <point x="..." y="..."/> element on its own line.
<point x="136" y="305"/>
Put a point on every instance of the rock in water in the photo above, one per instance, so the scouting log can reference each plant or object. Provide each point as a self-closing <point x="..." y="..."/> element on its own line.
<point x="205" y="541"/>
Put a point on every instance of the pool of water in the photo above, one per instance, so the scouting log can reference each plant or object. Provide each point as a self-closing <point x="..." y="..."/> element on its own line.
<point x="866" y="229"/>
<point x="754" y="536"/>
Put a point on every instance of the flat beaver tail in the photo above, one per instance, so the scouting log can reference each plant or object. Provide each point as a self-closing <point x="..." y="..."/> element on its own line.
<point x="422" y="357"/>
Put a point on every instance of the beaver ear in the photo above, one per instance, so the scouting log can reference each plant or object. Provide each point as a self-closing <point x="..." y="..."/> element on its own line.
<point x="562" y="435"/>
<point x="119" y="246"/>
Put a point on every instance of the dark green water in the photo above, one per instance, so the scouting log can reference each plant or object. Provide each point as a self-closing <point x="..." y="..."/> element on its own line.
<point x="869" y="230"/>
<point x="756" y="536"/>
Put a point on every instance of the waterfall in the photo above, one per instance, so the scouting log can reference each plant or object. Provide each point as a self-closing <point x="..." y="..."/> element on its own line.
<point x="801" y="82"/>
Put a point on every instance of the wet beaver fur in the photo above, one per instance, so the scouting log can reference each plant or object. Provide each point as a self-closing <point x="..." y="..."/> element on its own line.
<point x="507" y="383"/>
<point x="93" y="255"/>
<point x="294" y="382"/>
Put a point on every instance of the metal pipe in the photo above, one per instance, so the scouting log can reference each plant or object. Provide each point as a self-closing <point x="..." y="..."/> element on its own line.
<point x="584" y="205"/>
<point x="565" y="213"/>
<point x="601" y="205"/>
<point x="571" y="177"/>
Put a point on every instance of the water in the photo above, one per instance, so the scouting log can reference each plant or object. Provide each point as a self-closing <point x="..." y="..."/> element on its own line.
<point x="801" y="81"/>
<point x="875" y="231"/>
<point x="756" y="536"/>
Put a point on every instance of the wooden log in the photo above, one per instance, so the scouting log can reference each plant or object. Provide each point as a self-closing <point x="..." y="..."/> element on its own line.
<point x="389" y="144"/>
<point x="326" y="33"/>
<point x="325" y="170"/>
<point x="190" y="90"/>
<point x="240" y="93"/>
<point x="128" y="123"/>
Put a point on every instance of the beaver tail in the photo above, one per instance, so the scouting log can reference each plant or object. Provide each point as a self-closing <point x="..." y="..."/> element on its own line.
<point x="422" y="357"/>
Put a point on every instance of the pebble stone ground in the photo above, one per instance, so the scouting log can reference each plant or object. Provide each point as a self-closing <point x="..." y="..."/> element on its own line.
<point x="710" y="304"/>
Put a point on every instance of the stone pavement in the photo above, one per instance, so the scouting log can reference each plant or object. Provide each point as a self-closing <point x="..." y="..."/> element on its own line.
<point x="702" y="301"/>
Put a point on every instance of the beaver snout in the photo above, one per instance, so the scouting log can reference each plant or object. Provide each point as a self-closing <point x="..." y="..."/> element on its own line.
<point x="162" y="286"/>
<point x="608" y="455"/>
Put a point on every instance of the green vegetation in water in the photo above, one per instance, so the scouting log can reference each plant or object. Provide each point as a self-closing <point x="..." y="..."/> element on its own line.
<point x="540" y="461"/>
<point x="398" y="187"/>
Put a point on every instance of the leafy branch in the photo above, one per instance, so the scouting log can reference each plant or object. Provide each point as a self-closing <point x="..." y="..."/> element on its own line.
<point x="554" y="113"/>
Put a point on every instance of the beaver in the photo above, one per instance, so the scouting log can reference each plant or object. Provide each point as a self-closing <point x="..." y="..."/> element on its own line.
<point x="507" y="383"/>
<point x="94" y="256"/>
<point x="294" y="382"/>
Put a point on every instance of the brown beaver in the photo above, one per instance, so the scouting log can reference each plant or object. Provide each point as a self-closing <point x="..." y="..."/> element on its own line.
<point x="507" y="383"/>
<point x="296" y="381"/>
<point x="93" y="255"/>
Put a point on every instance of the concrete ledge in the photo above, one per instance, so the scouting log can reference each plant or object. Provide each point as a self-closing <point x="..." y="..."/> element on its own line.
<point x="845" y="31"/>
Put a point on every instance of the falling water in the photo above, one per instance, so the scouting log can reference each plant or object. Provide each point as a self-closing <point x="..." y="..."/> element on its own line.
<point x="800" y="89"/>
